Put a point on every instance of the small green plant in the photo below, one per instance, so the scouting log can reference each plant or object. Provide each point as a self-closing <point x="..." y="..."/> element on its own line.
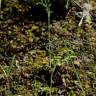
<point x="65" y="55"/>
<point x="47" y="5"/>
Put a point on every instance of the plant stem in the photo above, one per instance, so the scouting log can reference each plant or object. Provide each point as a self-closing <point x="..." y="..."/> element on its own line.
<point x="49" y="39"/>
<point x="49" y="45"/>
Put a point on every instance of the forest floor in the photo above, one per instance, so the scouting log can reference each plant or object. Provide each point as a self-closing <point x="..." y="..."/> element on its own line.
<point x="24" y="58"/>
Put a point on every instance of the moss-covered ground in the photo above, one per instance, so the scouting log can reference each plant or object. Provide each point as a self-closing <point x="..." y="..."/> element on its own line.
<point x="24" y="57"/>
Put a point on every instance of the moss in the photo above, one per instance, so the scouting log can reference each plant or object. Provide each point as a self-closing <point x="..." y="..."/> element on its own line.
<point x="30" y="72"/>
